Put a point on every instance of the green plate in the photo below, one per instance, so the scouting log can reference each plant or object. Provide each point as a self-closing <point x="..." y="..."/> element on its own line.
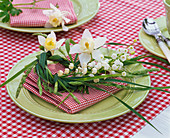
<point x="149" y="42"/>
<point x="103" y="110"/>
<point x="84" y="9"/>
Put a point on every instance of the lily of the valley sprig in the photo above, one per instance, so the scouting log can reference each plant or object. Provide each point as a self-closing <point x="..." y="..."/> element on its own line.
<point x="56" y="17"/>
<point x="88" y="69"/>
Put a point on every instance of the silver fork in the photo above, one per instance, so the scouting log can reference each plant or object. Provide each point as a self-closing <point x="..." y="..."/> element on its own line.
<point x="151" y="28"/>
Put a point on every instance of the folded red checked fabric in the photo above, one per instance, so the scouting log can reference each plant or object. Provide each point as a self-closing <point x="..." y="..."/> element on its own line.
<point x="36" y="18"/>
<point x="69" y="105"/>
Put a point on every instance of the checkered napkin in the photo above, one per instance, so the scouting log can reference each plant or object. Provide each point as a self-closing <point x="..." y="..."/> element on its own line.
<point x="35" y="17"/>
<point x="69" y="105"/>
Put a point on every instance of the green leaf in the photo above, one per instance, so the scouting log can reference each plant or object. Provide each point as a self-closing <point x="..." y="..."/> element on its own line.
<point x="115" y="44"/>
<point x="125" y="104"/>
<point x="39" y="85"/>
<point x="67" y="46"/>
<point x="6" y="18"/>
<point x="42" y="60"/>
<point x="19" y="72"/>
<point x="127" y="62"/>
<point x="44" y="35"/>
<point x="2" y="14"/>
<point x="72" y="42"/>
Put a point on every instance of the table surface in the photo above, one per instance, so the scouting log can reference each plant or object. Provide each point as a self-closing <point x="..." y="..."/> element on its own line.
<point x="118" y="20"/>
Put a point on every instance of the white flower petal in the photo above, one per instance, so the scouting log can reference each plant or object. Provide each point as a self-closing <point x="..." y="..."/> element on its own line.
<point x="52" y="35"/>
<point x="54" y="8"/>
<point x="75" y="49"/>
<point x="41" y="40"/>
<point x="84" y="58"/>
<point x="59" y="43"/>
<point x="87" y="34"/>
<point x="99" y="41"/>
<point x="97" y="55"/>
<point x="66" y="19"/>
<point x="64" y="27"/>
<point x="48" y="25"/>
<point x="47" y="12"/>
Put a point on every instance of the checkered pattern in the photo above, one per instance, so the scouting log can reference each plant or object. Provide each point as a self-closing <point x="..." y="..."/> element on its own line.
<point x="35" y="17"/>
<point x="69" y="105"/>
<point x="120" y="21"/>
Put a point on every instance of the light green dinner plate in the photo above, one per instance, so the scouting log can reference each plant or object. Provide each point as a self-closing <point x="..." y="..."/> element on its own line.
<point x="84" y="9"/>
<point x="103" y="110"/>
<point x="149" y="42"/>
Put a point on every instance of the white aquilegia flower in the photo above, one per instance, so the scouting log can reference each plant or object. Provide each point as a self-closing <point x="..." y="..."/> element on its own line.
<point x="87" y="47"/>
<point x="50" y="43"/>
<point x="56" y="17"/>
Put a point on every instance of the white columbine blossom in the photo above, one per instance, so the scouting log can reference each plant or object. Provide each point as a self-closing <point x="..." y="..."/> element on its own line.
<point x="50" y="43"/>
<point x="87" y="47"/>
<point x="56" y="17"/>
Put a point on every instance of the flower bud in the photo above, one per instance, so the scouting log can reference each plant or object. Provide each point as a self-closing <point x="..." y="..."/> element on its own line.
<point x="66" y="71"/>
<point x="98" y="66"/>
<point x="60" y="73"/>
<point x="84" y="71"/>
<point x="71" y="66"/>
<point x="96" y="80"/>
<point x="94" y="70"/>
<point x="91" y="75"/>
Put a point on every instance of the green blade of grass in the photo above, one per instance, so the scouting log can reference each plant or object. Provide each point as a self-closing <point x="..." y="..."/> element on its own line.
<point x="125" y="104"/>
<point x="19" y="72"/>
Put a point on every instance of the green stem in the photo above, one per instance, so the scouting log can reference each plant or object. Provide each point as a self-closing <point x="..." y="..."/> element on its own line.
<point x="31" y="3"/>
<point x="32" y="8"/>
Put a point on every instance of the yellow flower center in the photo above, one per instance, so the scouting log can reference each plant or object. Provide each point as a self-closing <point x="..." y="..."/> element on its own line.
<point x="50" y="43"/>
<point x="87" y="45"/>
<point x="55" y="21"/>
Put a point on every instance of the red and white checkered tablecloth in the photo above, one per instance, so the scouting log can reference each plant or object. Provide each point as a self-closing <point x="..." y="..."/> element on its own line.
<point x="120" y="21"/>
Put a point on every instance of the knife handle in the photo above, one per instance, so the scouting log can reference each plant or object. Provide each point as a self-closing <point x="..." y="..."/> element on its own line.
<point x="164" y="48"/>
